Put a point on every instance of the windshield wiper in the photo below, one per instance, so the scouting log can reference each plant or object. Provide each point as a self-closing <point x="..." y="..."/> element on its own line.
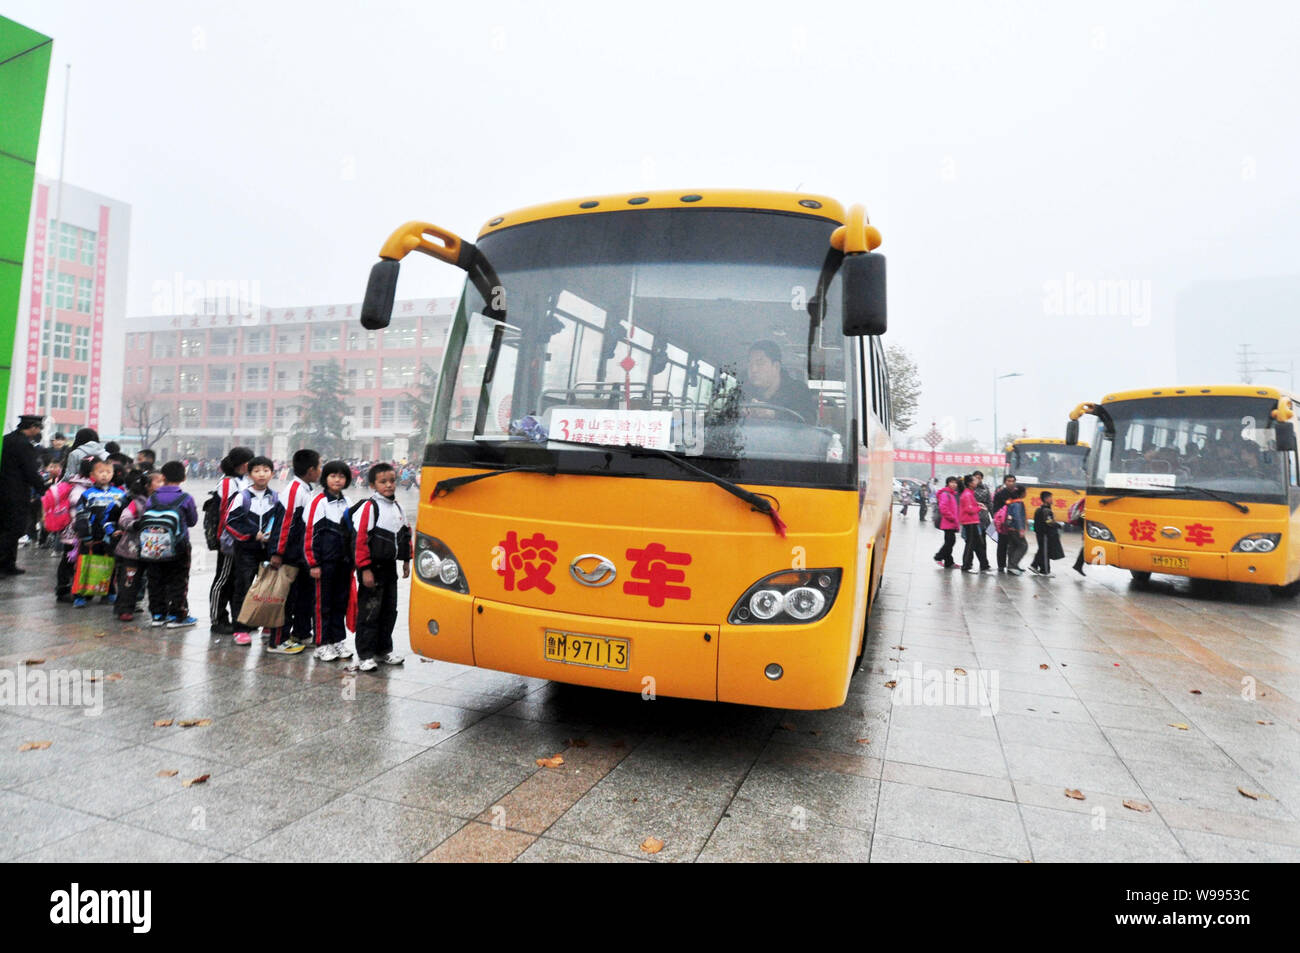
<point x="760" y="504"/>
<point x="1186" y="488"/>
<point x="444" y="487"/>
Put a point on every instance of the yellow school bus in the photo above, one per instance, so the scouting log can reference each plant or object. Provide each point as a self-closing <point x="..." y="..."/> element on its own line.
<point x="1042" y="464"/>
<point x="659" y="458"/>
<point x="1195" y="481"/>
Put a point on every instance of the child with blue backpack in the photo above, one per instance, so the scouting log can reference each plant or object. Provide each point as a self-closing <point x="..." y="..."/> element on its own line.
<point x="130" y="572"/>
<point x="163" y="530"/>
<point x="98" y="508"/>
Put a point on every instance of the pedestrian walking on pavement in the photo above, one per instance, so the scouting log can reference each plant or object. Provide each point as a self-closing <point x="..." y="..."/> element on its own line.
<point x="1016" y="524"/>
<point x="1048" y="533"/>
<point x="972" y="532"/>
<point x="946" y="501"/>
<point x="20" y="477"/>
<point x="1000" y="499"/>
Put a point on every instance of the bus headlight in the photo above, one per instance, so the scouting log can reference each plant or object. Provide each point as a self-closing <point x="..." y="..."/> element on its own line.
<point x="1098" y="531"/>
<point x="435" y="564"/>
<point x="1258" y="543"/>
<point x="789" y="597"/>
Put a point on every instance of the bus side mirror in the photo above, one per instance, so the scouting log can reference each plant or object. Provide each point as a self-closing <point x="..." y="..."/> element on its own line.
<point x="381" y="290"/>
<point x="864" y="294"/>
<point x="1285" y="431"/>
<point x="1072" y="433"/>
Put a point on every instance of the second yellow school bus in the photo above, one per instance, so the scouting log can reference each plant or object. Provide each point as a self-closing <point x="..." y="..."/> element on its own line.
<point x="659" y="458"/>
<point x="1195" y="481"/>
<point x="1043" y="464"/>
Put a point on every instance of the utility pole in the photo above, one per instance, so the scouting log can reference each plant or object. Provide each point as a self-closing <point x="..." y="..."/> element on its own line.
<point x="48" y="312"/>
<point x="1244" y="363"/>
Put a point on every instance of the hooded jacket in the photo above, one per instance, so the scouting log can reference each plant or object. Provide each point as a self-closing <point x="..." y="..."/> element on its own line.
<point x="948" y="515"/>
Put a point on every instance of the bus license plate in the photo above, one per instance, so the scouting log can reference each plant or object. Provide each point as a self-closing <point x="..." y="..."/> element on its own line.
<point x="573" y="648"/>
<point x="1171" y="562"/>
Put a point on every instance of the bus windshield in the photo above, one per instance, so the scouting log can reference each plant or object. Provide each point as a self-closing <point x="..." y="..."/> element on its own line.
<point x="710" y="333"/>
<point x="1225" y="445"/>
<point x="1054" y="464"/>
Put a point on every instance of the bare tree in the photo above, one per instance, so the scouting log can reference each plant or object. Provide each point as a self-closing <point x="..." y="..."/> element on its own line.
<point x="150" y="420"/>
<point x="904" y="386"/>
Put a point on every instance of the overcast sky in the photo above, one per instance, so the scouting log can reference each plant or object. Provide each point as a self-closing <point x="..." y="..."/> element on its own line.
<point x="1009" y="153"/>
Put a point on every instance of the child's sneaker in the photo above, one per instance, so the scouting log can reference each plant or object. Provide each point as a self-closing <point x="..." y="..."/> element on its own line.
<point x="367" y="665"/>
<point x="392" y="659"/>
<point x="111" y="598"/>
<point x="342" y="649"/>
<point x="79" y="603"/>
<point x="182" y="623"/>
<point x="286" y="648"/>
<point x="158" y="621"/>
<point x="326" y="653"/>
<point x="223" y="628"/>
<point x="125" y="616"/>
<point x="243" y="638"/>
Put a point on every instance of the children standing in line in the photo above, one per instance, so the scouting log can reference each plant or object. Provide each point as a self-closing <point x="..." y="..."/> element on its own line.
<point x="299" y="608"/>
<point x="130" y="575"/>
<point x="327" y="550"/>
<point x="252" y="521"/>
<point x="235" y="468"/>
<point x="169" y="580"/>
<point x="97" y="511"/>
<point x="382" y="538"/>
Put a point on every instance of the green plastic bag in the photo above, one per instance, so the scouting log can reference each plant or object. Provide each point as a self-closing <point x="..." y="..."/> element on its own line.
<point x="94" y="573"/>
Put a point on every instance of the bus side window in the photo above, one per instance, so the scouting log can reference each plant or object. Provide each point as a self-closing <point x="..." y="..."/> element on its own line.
<point x="1293" y="466"/>
<point x="864" y="384"/>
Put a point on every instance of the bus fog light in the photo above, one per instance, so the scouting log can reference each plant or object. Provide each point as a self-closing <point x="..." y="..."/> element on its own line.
<point x="803" y="603"/>
<point x="765" y="603"/>
<point x="773" y="671"/>
<point x="433" y="626"/>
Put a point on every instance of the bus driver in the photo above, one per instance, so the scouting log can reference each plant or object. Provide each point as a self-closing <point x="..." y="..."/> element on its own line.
<point x="769" y="384"/>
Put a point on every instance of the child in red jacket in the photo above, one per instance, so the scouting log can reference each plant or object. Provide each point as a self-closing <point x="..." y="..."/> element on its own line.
<point x="382" y="538"/>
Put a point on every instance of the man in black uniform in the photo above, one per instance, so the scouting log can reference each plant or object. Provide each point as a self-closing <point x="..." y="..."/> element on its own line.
<point x="20" y="476"/>
<point x="769" y="383"/>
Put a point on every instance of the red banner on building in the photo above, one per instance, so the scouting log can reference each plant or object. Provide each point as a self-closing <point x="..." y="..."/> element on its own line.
<point x="951" y="459"/>
<point x="97" y="328"/>
<point x="40" y="233"/>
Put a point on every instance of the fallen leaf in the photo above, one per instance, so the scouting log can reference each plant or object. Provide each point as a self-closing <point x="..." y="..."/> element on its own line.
<point x="168" y="773"/>
<point x="899" y="647"/>
<point x="1137" y="806"/>
<point x="1254" y="795"/>
<point x="576" y="742"/>
<point x="100" y="635"/>
<point x="959" y="671"/>
<point x="433" y="725"/>
<point x="788" y="726"/>
<point x="864" y="741"/>
<point x="552" y="762"/>
<point x="423" y="659"/>
<point x="1196" y="691"/>
<point x="35" y="745"/>
<point x="164" y="723"/>
<point x="1116" y="664"/>
<point x="195" y="722"/>
<point x="652" y="845"/>
<point x="1263" y="723"/>
<point x="34" y="661"/>
<point x="1044" y="667"/>
<point x="1074" y="793"/>
<point x="1179" y="725"/>
<point x="113" y="677"/>
<point x="202" y="778"/>
<point x="892" y="683"/>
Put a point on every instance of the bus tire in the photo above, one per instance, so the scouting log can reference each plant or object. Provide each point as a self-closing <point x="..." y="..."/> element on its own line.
<point x="1140" y="577"/>
<point x="1289" y="591"/>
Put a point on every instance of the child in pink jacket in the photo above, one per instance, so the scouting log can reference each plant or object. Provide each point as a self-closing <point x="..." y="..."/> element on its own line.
<point x="948" y="521"/>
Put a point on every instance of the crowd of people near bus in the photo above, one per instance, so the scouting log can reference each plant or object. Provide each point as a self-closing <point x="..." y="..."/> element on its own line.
<point x="964" y="507"/>
<point x="123" y="523"/>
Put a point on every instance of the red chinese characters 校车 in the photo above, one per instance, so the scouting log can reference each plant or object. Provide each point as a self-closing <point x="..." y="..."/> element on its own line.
<point x="651" y="567"/>
<point x="1142" y="531"/>
<point x="1198" y="533"/>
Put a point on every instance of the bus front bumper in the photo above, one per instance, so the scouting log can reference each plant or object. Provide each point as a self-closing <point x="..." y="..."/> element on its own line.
<point x="1267" y="569"/>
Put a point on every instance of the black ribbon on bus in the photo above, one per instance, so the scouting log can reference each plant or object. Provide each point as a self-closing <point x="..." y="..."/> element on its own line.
<point x="444" y="487"/>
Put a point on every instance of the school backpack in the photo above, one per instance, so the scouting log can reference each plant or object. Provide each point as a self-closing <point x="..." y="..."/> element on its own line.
<point x="212" y="521"/>
<point x="227" y="542"/>
<point x="1000" y="519"/>
<point x="91" y="521"/>
<point x="56" y="505"/>
<point x="161" y="531"/>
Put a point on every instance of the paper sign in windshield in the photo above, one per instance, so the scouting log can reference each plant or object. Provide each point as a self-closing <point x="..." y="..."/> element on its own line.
<point x="641" y="428"/>
<point x="1140" y="481"/>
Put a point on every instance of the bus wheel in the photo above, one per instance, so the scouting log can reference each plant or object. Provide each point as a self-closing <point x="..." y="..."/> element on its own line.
<point x="1140" y="577"/>
<point x="1289" y="591"/>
